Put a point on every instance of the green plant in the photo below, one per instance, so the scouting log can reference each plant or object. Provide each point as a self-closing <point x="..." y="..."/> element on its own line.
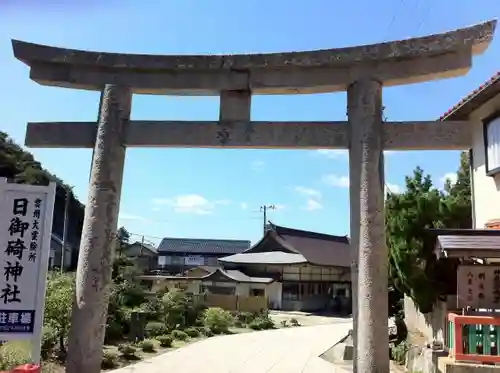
<point x="58" y="305"/>
<point x="165" y="340"/>
<point x="294" y="322"/>
<point x="181" y="309"/>
<point x="218" y="320"/>
<point x="244" y="318"/>
<point x="179" y="335"/>
<point x="13" y="354"/>
<point x="49" y="341"/>
<point x="128" y="352"/>
<point x="207" y="332"/>
<point x="398" y="353"/>
<point x="262" y="322"/>
<point x="109" y="359"/>
<point x="192" y="332"/>
<point x="148" y="346"/>
<point x="413" y="266"/>
<point x="154" y="329"/>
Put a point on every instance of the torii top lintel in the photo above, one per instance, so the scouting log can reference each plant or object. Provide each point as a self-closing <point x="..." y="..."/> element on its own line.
<point x="399" y="62"/>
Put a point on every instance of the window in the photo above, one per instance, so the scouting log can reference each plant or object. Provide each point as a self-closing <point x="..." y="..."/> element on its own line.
<point x="492" y="145"/>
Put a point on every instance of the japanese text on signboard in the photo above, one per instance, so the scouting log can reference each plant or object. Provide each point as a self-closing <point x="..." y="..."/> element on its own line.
<point x="478" y="286"/>
<point x="18" y="286"/>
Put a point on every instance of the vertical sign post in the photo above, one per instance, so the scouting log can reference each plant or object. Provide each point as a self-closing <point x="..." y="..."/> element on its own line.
<point x="25" y="233"/>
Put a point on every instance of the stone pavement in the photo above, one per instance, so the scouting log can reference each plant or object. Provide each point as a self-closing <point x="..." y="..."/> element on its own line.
<point x="290" y="350"/>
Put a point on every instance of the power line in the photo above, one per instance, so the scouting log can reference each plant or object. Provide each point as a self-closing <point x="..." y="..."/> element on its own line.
<point x="393" y="19"/>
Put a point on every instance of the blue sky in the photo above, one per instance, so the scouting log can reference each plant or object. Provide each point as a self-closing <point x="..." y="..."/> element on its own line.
<point x="217" y="193"/>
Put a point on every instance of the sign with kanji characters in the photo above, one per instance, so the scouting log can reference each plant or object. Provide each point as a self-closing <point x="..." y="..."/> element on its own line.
<point x="25" y="233"/>
<point x="478" y="286"/>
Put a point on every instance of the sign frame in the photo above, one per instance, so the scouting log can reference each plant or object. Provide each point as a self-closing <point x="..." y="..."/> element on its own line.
<point x="489" y="300"/>
<point x="43" y="259"/>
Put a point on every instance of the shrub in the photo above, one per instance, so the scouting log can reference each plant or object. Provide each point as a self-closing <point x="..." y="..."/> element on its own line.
<point x="179" y="335"/>
<point x="262" y="323"/>
<point x="218" y="320"/>
<point x="58" y="305"/>
<point x="398" y="353"/>
<point x="244" y="318"/>
<point x="49" y="341"/>
<point x="294" y="322"/>
<point x="165" y="340"/>
<point x="207" y="332"/>
<point x="148" y="346"/>
<point x="13" y="354"/>
<point x="181" y="309"/>
<point x="192" y="332"/>
<point x="155" y="329"/>
<point x="109" y="360"/>
<point x="127" y="351"/>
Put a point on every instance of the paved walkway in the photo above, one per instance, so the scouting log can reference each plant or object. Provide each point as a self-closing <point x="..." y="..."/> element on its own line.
<point x="290" y="350"/>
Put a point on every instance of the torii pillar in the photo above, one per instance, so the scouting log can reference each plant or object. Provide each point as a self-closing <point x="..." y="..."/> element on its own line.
<point x="362" y="71"/>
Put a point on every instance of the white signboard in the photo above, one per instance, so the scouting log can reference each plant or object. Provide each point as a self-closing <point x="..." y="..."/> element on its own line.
<point x="194" y="260"/>
<point x="25" y="231"/>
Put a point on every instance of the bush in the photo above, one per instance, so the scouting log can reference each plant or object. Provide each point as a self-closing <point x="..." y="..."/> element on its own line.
<point x="165" y="340"/>
<point x="109" y="360"/>
<point x="179" y="335"/>
<point x="155" y="329"/>
<point x="148" y="346"/>
<point x="128" y="352"/>
<point x="294" y="322"/>
<point x="262" y="322"/>
<point x="398" y="353"/>
<point x="49" y="341"/>
<point x="13" y="354"/>
<point x="207" y="332"/>
<point x="244" y="318"/>
<point x="181" y="309"/>
<point x="192" y="332"/>
<point x="218" y="320"/>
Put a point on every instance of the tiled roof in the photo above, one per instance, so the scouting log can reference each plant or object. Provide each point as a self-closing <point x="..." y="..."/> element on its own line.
<point x="473" y="100"/>
<point x="202" y="246"/>
<point x="316" y="248"/>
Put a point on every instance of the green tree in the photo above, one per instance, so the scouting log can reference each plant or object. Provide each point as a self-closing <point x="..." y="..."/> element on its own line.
<point x="413" y="267"/>
<point x="58" y="302"/>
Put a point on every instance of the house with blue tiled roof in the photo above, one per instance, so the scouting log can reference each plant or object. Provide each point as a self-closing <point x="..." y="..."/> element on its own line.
<point x="176" y="255"/>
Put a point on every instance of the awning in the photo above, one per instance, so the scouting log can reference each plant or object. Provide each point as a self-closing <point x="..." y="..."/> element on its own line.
<point x="459" y="246"/>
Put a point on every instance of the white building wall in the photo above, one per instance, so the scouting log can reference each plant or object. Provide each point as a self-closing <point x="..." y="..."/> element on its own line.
<point x="486" y="189"/>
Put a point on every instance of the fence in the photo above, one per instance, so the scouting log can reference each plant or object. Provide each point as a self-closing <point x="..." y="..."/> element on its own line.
<point x="474" y="338"/>
<point x="234" y="302"/>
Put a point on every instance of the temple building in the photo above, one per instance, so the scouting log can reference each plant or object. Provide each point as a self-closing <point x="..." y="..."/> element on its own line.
<point x="310" y="271"/>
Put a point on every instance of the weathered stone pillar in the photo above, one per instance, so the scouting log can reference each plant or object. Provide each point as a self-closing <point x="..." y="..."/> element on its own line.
<point x="93" y="277"/>
<point x="354" y="186"/>
<point x="364" y="99"/>
<point x="235" y="105"/>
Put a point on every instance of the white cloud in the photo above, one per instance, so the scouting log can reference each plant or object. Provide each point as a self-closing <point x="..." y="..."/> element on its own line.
<point x="393" y="188"/>
<point x="258" y="165"/>
<point x="336" y="181"/>
<point x="244" y="205"/>
<point x="279" y="207"/>
<point x="312" y="205"/>
<point x="126" y="216"/>
<point x="452" y="176"/>
<point x="188" y="204"/>
<point x="312" y="193"/>
<point x="332" y="153"/>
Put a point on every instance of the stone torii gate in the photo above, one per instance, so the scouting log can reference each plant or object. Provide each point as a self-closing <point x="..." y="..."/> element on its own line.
<point x="362" y="71"/>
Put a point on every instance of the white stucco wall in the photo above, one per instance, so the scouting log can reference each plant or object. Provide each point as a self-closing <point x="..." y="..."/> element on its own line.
<point x="486" y="189"/>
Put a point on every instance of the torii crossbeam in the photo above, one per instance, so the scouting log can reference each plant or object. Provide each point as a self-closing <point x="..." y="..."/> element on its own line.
<point x="362" y="71"/>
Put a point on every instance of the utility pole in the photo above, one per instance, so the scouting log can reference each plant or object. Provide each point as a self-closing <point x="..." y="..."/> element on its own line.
<point x="264" y="209"/>
<point x="65" y="228"/>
